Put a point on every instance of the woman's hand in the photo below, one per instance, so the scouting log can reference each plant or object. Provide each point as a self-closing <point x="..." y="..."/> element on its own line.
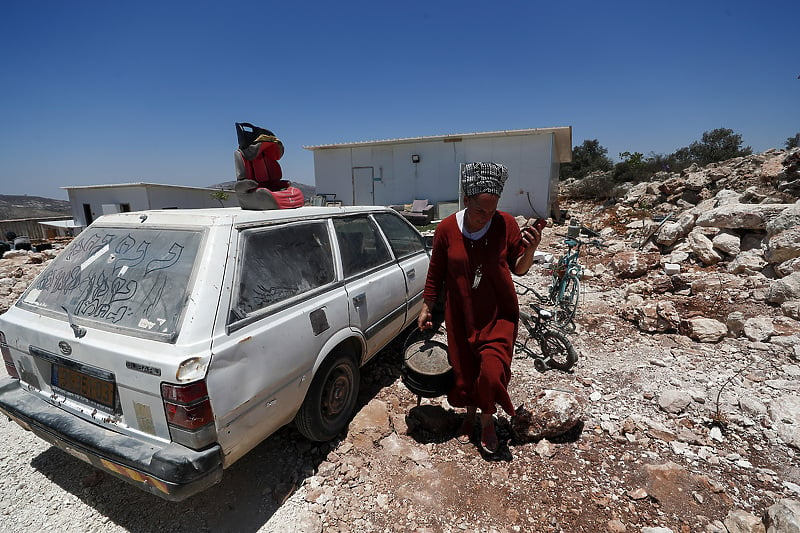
<point x="531" y="237"/>
<point x="425" y="319"/>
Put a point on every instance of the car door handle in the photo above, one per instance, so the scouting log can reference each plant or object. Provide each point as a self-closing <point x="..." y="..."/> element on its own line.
<point x="412" y="274"/>
<point x="359" y="300"/>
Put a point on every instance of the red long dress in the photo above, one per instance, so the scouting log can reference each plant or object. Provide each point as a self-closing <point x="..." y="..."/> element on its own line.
<point x="481" y="322"/>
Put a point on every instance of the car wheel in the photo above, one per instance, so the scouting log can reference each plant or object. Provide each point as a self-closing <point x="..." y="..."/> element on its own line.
<point x="331" y="399"/>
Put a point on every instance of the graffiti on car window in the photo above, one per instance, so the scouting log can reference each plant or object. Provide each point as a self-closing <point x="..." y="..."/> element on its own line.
<point x="138" y="279"/>
<point x="173" y="255"/>
<point x="264" y="296"/>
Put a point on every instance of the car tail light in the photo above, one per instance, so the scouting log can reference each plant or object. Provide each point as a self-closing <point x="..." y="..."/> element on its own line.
<point x="10" y="368"/>
<point x="189" y="413"/>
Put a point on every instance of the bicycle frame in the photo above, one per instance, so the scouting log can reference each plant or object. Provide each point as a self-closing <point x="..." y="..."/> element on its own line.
<point x="567" y="265"/>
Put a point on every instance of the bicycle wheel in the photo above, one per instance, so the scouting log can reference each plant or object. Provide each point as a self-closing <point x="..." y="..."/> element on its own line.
<point x="567" y="304"/>
<point x="557" y="350"/>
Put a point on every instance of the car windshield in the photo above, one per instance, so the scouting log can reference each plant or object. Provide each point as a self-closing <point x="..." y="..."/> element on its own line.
<point x="134" y="278"/>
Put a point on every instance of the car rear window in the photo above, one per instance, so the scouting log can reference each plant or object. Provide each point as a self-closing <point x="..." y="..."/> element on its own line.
<point x="133" y="278"/>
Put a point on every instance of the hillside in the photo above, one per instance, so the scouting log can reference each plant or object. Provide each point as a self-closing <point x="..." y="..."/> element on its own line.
<point x="24" y="206"/>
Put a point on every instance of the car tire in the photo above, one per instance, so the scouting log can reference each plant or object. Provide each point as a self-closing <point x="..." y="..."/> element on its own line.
<point x="331" y="399"/>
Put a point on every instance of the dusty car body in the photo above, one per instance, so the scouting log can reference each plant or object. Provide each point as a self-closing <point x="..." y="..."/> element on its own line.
<point x="162" y="346"/>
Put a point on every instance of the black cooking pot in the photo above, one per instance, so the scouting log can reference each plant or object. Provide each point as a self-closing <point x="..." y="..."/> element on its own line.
<point x="426" y="368"/>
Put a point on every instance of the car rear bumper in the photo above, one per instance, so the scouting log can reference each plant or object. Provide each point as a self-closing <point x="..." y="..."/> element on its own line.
<point x="170" y="471"/>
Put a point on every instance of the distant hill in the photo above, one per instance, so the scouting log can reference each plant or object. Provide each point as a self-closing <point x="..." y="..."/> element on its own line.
<point x="23" y="206"/>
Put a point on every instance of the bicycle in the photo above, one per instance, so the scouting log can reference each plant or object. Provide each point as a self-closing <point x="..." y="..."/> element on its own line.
<point x="564" y="290"/>
<point x="556" y="349"/>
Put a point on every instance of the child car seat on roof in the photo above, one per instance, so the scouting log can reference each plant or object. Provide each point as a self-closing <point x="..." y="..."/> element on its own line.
<point x="258" y="171"/>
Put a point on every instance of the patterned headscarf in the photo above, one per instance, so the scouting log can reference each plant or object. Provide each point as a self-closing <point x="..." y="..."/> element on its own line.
<point x="479" y="177"/>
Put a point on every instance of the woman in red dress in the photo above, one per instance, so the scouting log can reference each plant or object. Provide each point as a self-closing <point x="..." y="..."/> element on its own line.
<point x="474" y="253"/>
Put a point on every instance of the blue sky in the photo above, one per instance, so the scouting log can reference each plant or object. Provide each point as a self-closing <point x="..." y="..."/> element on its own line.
<point x="95" y="92"/>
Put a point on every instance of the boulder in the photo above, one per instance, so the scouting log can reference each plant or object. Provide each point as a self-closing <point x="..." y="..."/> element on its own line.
<point x="748" y="262"/>
<point x="660" y="316"/>
<point x="784" y="413"/>
<point x="784" y="289"/>
<point x="740" y="521"/>
<point x="741" y="216"/>
<point x="696" y="181"/>
<point x="704" y="329"/>
<point x="735" y="322"/>
<point x="783" y="245"/>
<point x="702" y="248"/>
<point x="671" y="232"/>
<point x="674" y="401"/>
<point x="728" y="243"/>
<point x="787" y="218"/>
<point x="549" y="414"/>
<point x="783" y="516"/>
<point x="788" y="267"/>
<point x="725" y="197"/>
<point x="758" y="329"/>
<point x="633" y="264"/>
<point x="791" y="309"/>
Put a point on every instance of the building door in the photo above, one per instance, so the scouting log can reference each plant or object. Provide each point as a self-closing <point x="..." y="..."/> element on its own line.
<point x="87" y="214"/>
<point x="363" y="188"/>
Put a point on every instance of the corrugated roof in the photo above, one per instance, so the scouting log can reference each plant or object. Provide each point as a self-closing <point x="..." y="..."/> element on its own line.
<point x="563" y="135"/>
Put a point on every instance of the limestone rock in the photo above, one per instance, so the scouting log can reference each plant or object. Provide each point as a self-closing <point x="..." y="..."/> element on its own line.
<point x="791" y="309"/>
<point x="748" y="262"/>
<point x="758" y="329"/>
<point x="633" y="264"/>
<point x="788" y="267"/>
<point x="783" y="246"/>
<point x="735" y="322"/>
<point x="785" y="416"/>
<point x="784" y="289"/>
<point x="783" y="517"/>
<point x="702" y="248"/>
<point x="549" y="414"/>
<point x="674" y="401"/>
<point x="788" y="218"/>
<point x="741" y="216"/>
<point x="727" y="242"/>
<point x="660" y="316"/>
<point x="704" y="329"/>
<point x="740" y="521"/>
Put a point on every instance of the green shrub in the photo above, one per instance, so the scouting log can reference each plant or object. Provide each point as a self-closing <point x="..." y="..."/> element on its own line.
<point x="595" y="187"/>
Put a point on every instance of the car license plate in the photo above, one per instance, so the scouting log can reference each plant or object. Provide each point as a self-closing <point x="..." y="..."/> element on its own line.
<point x="88" y="387"/>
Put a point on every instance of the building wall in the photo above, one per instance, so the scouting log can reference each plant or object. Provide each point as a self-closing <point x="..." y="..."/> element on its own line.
<point x="140" y="198"/>
<point x="32" y="227"/>
<point x="532" y="164"/>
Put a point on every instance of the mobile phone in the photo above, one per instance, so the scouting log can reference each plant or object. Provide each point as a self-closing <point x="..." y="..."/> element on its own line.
<point x="540" y="224"/>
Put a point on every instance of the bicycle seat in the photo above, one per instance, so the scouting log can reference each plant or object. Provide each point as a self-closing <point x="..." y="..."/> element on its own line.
<point x="544" y="313"/>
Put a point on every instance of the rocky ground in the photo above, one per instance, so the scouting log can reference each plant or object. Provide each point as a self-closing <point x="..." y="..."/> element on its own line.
<point x="683" y="407"/>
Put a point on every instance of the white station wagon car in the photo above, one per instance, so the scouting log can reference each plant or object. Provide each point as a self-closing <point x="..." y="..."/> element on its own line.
<point x="162" y="346"/>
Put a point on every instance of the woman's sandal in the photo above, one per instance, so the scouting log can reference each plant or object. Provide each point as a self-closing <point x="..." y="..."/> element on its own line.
<point x="466" y="430"/>
<point x="489" y="442"/>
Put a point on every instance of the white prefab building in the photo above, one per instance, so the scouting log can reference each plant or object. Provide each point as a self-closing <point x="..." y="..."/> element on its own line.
<point x="398" y="171"/>
<point x="92" y="201"/>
